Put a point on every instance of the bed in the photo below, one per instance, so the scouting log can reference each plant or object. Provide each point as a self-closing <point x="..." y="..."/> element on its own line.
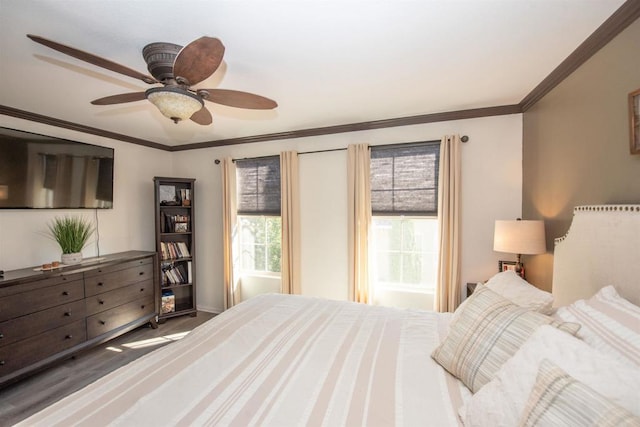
<point x="282" y="360"/>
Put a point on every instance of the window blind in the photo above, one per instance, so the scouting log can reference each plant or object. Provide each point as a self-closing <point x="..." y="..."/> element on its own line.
<point x="404" y="179"/>
<point x="258" y="186"/>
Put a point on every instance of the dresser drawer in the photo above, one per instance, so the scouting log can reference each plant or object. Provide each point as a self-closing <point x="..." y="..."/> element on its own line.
<point x="97" y="283"/>
<point x="33" y="301"/>
<point x="58" y="279"/>
<point x="32" y="324"/>
<point x="111" y="299"/>
<point x="109" y="320"/>
<point x="117" y="267"/>
<point x="26" y="352"/>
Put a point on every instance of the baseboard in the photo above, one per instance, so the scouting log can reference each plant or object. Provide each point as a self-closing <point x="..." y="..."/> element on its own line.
<point x="210" y="309"/>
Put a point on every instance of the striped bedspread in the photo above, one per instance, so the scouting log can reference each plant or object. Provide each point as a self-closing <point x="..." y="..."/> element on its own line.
<point x="280" y="360"/>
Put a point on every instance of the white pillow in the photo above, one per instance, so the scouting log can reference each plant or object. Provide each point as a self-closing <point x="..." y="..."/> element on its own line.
<point x="514" y="288"/>
<point x="502" y="401"/>
<point x="609" y="322"/>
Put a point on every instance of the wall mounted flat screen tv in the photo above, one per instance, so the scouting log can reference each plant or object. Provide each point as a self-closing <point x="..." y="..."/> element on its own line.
<point x="43" y="172"/>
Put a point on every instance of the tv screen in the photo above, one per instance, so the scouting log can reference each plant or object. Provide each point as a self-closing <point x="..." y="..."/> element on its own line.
<point x="43" y="172"/>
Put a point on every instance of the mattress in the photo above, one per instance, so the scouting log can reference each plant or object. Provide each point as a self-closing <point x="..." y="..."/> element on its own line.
<point x="281" y="360"/>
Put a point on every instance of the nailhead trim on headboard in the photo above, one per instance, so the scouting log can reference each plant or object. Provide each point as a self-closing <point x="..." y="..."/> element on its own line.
<point x="600" y="208"/>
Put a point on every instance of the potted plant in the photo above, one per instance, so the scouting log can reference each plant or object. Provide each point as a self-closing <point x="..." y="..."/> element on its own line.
<point x="72" y="234"/>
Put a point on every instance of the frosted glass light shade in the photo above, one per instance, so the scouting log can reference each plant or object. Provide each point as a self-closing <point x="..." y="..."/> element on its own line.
<point x="519" y="237"/>
<point x="174" y="103"/>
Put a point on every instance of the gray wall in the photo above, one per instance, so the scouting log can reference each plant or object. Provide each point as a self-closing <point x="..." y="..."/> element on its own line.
<point x="576" y="145"/>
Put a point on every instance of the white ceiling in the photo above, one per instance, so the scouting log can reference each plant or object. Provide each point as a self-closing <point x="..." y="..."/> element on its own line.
<point x="326" y="62"/>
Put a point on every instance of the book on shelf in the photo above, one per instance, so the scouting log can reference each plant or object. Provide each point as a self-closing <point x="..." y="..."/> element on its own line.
<point x="168" y="302"/>
<point x="174" y="274"/>
<point x="174" y="250"/>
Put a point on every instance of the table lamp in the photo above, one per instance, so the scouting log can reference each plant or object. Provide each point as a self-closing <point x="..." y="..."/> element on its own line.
<point x="519" y="237"/>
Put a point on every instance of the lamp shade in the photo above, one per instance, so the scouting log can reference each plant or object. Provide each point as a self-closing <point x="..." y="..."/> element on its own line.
<point x="174" y="103"/>
<point x="519" y="237"/>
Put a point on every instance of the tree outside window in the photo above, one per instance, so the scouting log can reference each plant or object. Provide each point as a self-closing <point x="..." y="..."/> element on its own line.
<point x="260" y="243"/>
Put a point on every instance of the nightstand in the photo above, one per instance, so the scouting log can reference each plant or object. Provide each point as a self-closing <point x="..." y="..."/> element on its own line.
<point x="471" y="286"/>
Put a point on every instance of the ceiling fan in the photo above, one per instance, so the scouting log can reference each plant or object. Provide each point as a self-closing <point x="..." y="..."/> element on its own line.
<point x="176" y="68"/>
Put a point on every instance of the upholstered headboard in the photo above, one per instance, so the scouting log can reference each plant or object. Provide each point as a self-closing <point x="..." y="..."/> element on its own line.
<point x="601" y="248"/>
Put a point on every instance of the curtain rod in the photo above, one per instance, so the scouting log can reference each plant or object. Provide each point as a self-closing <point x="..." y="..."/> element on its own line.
<point x="463" y="138"/>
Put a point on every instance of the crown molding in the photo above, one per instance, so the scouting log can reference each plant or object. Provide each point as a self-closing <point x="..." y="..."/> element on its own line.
<point x="355" y="127"/>
<point x="52" y="121"/>
<point x="626" y="14"/>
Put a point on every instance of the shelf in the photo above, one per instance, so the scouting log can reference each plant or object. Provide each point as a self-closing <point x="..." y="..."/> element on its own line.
<point x="170" y="243"/>
<point x="168" y="260"/>
<point x="178" y="312"/>
<point x="176" y="285"/>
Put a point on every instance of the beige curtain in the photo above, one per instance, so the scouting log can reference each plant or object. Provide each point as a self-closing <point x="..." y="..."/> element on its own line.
<point x="359" y="221"/>
<point x="229" y="231"/>
<point x="448" y="284"/>
<point x="290" y="216"/>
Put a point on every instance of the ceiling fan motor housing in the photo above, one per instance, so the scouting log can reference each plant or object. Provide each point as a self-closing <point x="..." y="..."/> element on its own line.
<point x="159" y="58"/>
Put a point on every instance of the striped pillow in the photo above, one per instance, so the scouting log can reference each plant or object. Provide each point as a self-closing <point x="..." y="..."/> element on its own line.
<point x="486" y="332"/>
<point x="557" y="399"/>
<point x="609" y="322"/>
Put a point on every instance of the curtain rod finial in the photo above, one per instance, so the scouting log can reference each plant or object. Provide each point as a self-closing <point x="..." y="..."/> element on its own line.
<point x="216" y="161"/>
<point x="464" y="138"/>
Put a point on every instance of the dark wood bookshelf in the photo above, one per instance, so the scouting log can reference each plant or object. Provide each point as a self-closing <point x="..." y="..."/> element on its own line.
<point x="175" y="244"/>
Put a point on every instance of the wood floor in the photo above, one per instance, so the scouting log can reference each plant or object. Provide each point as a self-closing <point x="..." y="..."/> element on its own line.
<point x="22" y="399"/>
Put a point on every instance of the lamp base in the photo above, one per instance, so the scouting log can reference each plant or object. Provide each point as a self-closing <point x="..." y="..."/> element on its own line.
<point x="520" y="269"/>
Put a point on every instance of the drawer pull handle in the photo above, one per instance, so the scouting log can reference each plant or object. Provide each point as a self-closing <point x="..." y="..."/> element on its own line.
<point x="68" y="337"/>
<point x="100" y="284"/>
<point x="1" y="336"/>
<point x="65" y="293"/>
<point x="141" y="273"/>
<point x="67" y="313"/>
<point x="141" y="289"/>
<point x="100" y="302"/>
<point x="1" y="362"/>
<point x="102" y="322"/>
<point x="142" y="306"/>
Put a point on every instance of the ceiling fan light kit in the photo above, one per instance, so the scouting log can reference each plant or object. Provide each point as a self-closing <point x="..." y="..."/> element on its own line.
<point x="176" y="68"/>
<point x="174" y="103"/>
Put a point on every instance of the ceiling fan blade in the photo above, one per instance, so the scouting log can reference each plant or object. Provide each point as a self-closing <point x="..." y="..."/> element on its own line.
<point x="93" y="59"/>
<point x="238" y="99"/>
<point x="120" y="99"/>
<point x="198" y="60"/>
<point x="202" y="117"/>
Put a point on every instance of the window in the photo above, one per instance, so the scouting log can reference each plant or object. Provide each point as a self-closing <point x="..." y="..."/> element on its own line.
<point x="404" y="204"/>
<point x="258" y="190"/>
<point x="404" y="253"/>
<point x="260" y="238"/>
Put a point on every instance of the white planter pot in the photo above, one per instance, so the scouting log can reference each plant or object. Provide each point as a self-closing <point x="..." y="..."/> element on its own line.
<point x="70" y="259"/>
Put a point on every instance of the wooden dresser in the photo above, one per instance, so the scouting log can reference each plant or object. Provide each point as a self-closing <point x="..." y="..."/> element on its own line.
<point x="48" y="316"/>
